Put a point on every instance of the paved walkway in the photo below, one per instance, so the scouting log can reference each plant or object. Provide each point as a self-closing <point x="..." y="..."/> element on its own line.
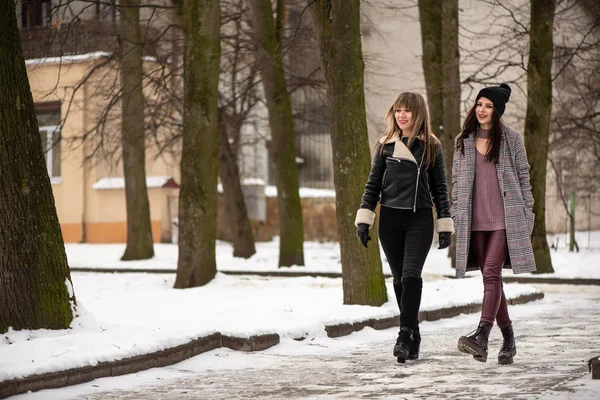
<point x="555" y="338"/>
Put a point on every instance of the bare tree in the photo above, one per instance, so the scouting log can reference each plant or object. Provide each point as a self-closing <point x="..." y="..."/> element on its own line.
<point x="238" y="96"/>
<point x="439" y="32"/>
<point x="36" y="290"/>
<point x="430" y="18"/>
<point x="338" y="28"/>
<point x="139" y="228"/>
<point x="196" y="264"/>
<point x="233" y="196"/>
<point x="574" y="148"/>
<point x="283" y="149"/>
<point x="537" y="120"/>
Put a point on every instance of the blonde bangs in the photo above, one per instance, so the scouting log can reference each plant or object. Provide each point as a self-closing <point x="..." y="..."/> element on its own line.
<point x="409" y="101"/>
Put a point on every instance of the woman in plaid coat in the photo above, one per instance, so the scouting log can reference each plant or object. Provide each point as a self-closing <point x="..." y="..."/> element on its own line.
<point x="492" y="212"/>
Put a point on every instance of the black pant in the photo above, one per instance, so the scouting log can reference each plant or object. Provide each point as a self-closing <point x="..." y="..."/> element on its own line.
<point x="406" y="238"/>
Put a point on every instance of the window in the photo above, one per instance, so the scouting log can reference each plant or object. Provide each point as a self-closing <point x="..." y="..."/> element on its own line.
<point x="48" y="115"/>
<point x="36" y="13"/>
<point x="107" y="10"/>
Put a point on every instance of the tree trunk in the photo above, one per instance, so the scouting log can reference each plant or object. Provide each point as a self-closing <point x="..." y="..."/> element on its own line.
<point x="572" y="242"/>
<point x="36" y="290"/>
<point x="451" y="93"/>
<point x="338" y="30"/>
<point x="283" y="147"/>
<point x="537" y="120"/>
<point x="430" y="18"/>
<point x="439" y="32"/>
<point x="196" y="265"/>
<point x="139" y="228"/>
<point x="235" y="206"/>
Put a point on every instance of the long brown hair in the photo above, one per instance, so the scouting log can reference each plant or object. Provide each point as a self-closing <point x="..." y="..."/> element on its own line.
<point x="470" y="127"/>
<point x="415" y="103"/>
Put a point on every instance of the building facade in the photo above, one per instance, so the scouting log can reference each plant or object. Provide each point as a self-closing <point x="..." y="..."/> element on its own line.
<point x="84" y="161"/>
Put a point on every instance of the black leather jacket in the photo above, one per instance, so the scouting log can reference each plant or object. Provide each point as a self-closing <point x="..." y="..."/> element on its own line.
<point x="394" y="175"/>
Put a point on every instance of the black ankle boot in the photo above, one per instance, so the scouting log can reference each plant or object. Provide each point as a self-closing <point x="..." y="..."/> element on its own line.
<point x="508" y="349"/>
<point x="415" y="345"/>
<point x="402" y="347"/>
<point x="476" y="344"/>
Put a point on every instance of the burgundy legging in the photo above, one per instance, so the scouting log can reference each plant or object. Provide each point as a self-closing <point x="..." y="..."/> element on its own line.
<point x="489" y="249"/>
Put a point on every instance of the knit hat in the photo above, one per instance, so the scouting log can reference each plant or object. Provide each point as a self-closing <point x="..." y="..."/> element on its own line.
<point x="499" y="95"/>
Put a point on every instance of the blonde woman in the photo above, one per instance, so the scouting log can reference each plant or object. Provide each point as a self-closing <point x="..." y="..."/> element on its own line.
<point x="491" y="209"/>
<point x="407" y="178"/>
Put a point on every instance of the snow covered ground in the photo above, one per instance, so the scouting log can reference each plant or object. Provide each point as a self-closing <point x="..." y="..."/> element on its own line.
<point x="123" y="315"/>
<point x="325" y="257"/>
<point x="551" y="363"/>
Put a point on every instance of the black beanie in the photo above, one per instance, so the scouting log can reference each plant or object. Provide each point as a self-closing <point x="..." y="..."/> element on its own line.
<point x="499" y="95"/>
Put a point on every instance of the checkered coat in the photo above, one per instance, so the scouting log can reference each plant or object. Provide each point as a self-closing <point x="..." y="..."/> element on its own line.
<point x="513" y="177"/>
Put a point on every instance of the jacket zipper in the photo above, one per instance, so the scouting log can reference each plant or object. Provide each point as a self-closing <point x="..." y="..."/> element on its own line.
<point x="416" y="190"/>
<point x="417" y="184"/>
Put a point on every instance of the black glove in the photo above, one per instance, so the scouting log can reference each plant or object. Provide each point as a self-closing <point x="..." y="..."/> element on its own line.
<point x="362" y="231"/>
<point x="445" y="239"/>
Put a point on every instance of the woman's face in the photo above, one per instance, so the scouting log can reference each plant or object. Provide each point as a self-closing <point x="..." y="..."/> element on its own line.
<point x="484" y="109"/>
<point x="404" y="119"/>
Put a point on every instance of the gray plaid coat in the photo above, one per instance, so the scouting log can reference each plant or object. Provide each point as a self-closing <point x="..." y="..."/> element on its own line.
<point x="513" y="177"/>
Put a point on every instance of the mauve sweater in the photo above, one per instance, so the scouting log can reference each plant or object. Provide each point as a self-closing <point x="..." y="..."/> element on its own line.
<point x="488" y="205"/>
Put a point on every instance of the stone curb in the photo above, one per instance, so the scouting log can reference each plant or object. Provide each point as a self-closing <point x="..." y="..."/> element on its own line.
<point x="290" y="274"/>
<point x="182" y="352"/>
<point x="295" y="274"/>
<point x="130" y="365"/>
<point x="594" y="367"/>
<point x="540" y="279"/>
<point x="557" y="281"/>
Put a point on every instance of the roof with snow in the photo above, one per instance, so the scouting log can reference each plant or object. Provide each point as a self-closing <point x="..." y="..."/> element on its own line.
<point x="119" y="183"/>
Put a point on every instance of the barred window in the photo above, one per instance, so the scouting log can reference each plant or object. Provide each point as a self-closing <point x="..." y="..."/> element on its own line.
<point x="48" y="115"/>
<point x="35" y="13"/>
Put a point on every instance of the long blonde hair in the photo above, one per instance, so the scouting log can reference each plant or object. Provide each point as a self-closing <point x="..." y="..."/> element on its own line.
<point x="415" y="103"/>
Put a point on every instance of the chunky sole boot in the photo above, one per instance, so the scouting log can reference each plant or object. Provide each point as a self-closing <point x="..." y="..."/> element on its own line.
<point x="476" y="343"/>
<point x="414" y="347"/>
<point x="402" y="347"/>
<point x="508" y="349"/>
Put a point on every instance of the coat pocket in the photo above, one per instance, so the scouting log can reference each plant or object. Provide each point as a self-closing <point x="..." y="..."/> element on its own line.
<point x="530" y="218"/>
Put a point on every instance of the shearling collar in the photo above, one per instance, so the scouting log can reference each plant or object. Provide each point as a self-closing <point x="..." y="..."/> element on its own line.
<point x="400" y="149"/>
<point x="395" y="137"/>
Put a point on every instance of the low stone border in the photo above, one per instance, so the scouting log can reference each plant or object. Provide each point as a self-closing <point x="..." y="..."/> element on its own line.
<point x="295" y="274"/>
<point x="130" y="365"/>
<point x="177" y="354"/>
<point x="285" y="274"/>
<point x="556" y="281"/>
<point x="594" y="366"/>
<point x="109" y="270"/>
<point x="431" y="315"/>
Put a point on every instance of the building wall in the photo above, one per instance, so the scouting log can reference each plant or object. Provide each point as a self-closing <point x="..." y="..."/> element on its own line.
<point x="87" y="214"/>
<point x="318" y="215"/>
<point x="68" y="193"/>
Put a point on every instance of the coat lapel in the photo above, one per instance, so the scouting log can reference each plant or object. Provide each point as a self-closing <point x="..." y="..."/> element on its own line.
<point x="469" y="143"/>
<point x="400" y="149"/>
<point x="501" y="163"/>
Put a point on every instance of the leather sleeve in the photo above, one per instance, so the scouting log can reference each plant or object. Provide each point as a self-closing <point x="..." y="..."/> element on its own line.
<point x="372" y="191"/>
<point x="439" y="188"/>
